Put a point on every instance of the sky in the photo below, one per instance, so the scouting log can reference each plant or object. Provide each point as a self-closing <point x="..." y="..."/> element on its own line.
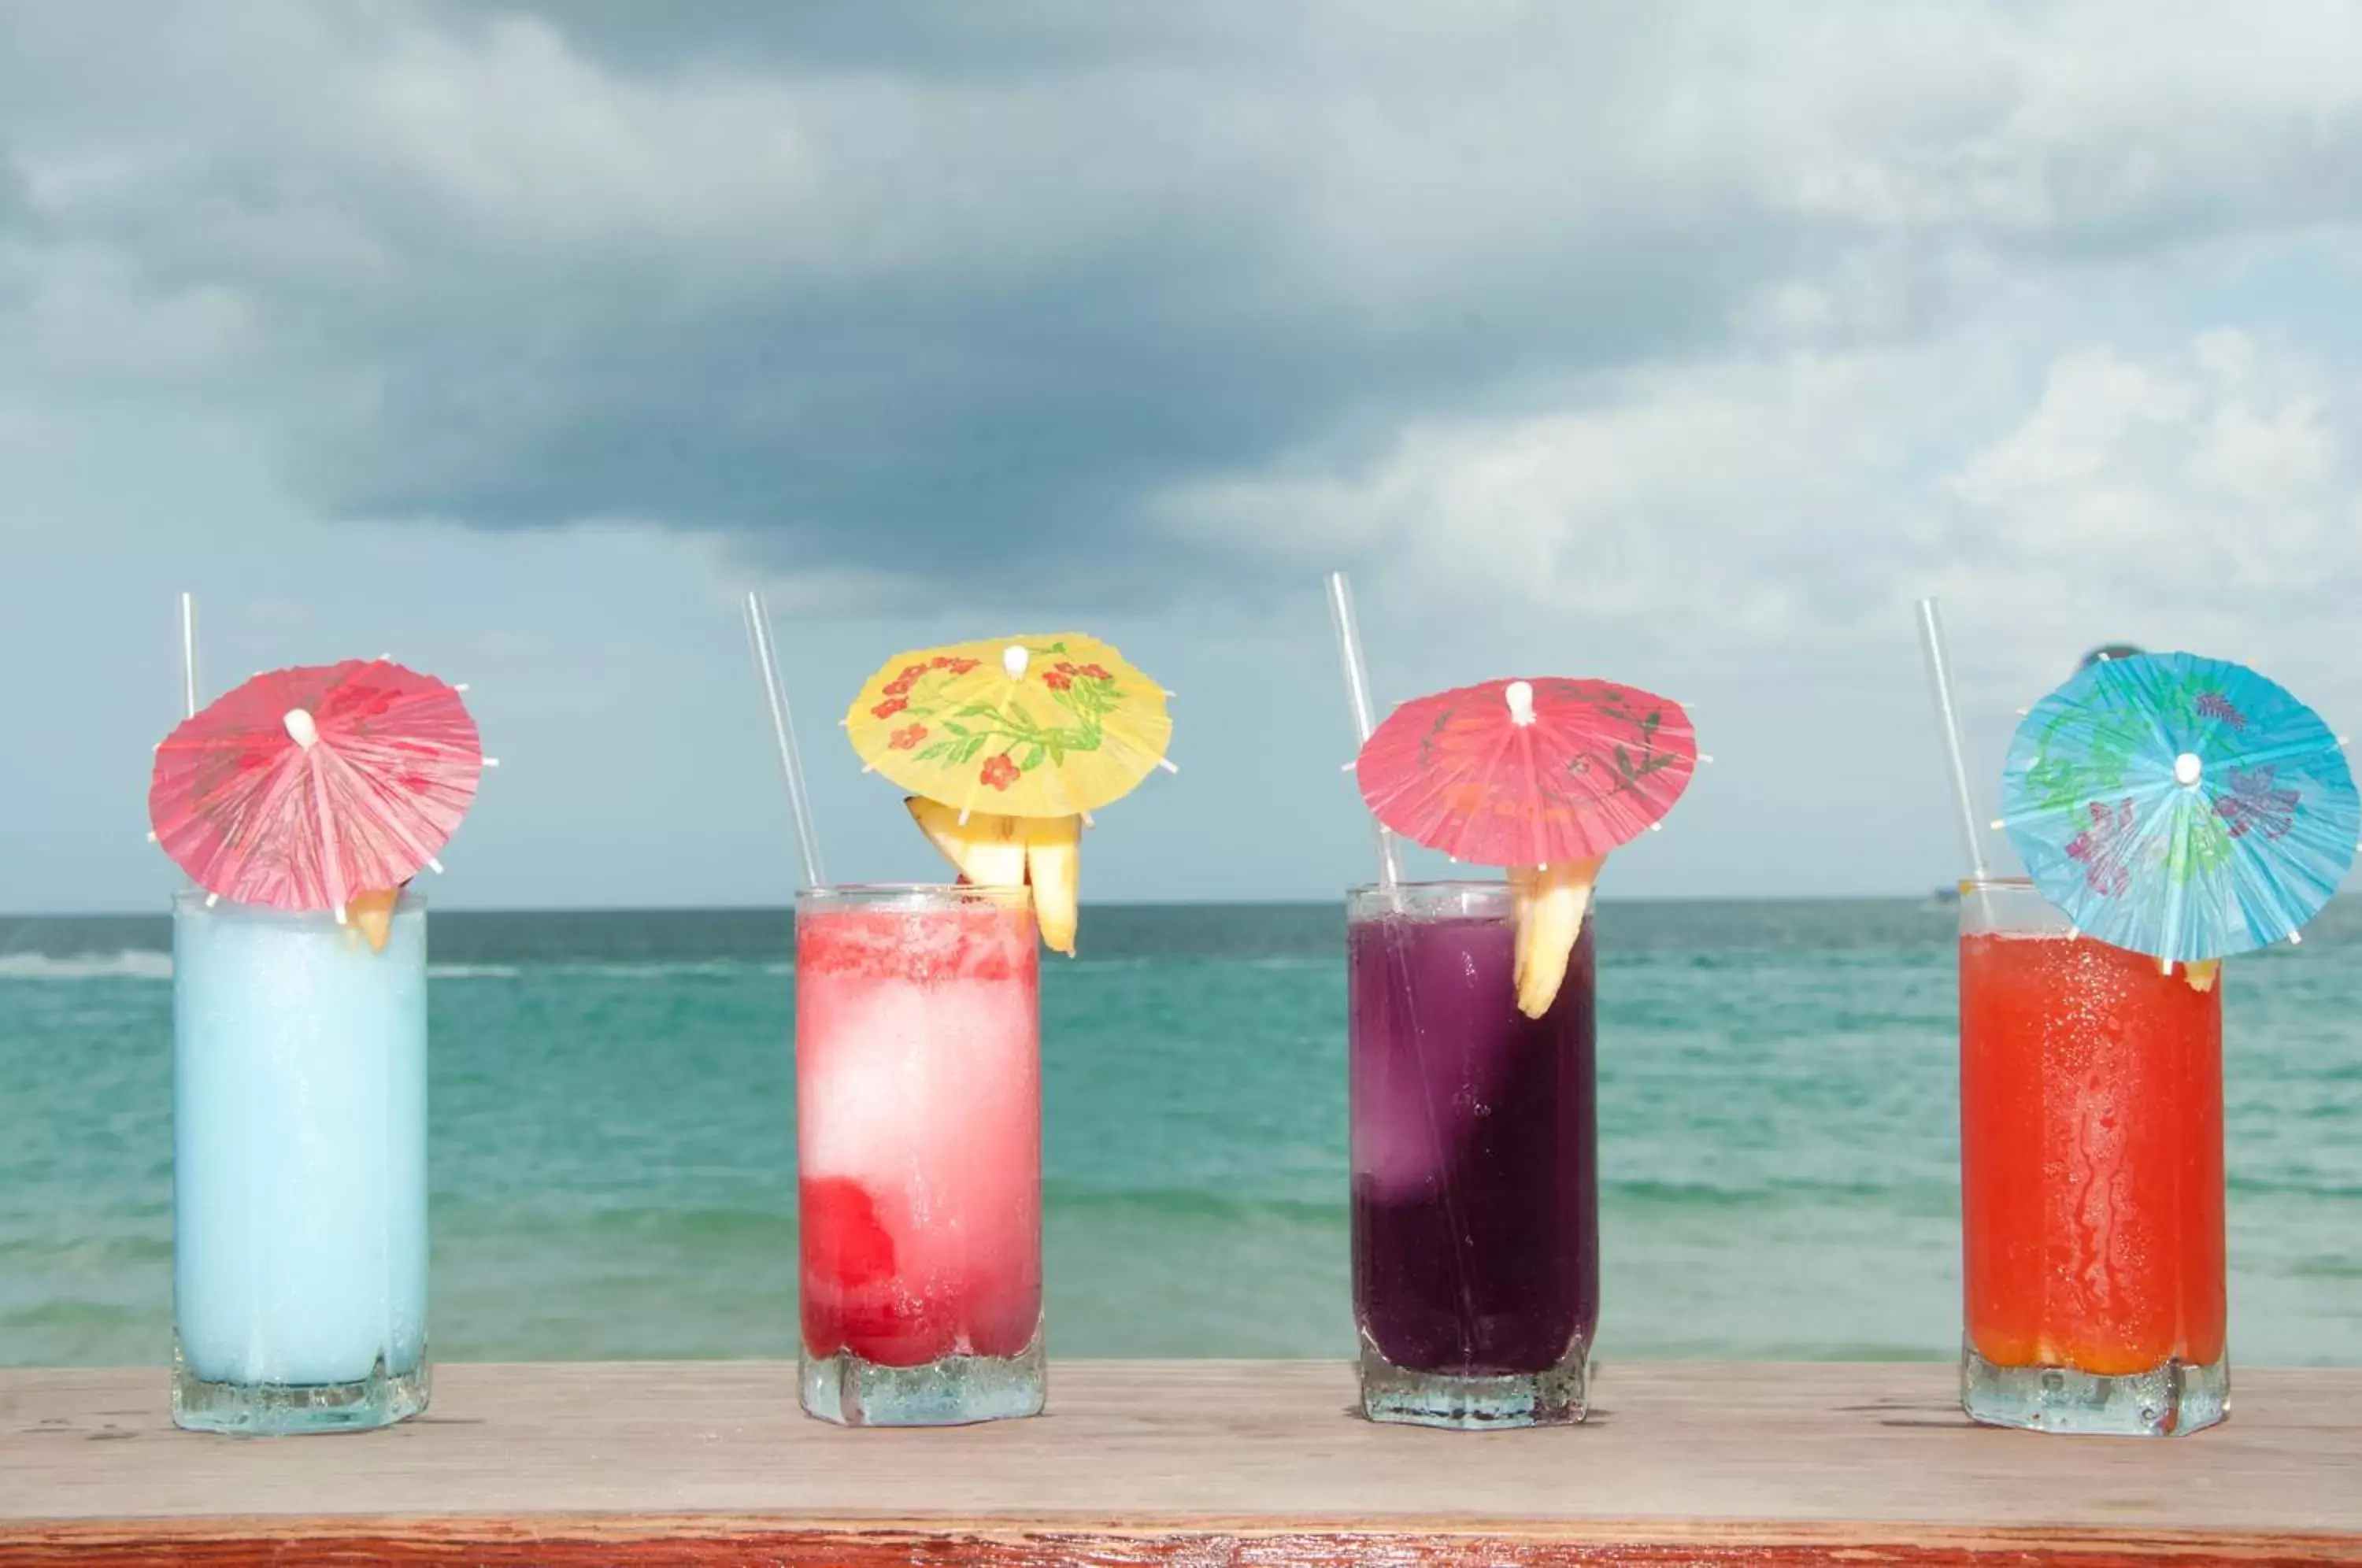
<point x="1685" y="345"/>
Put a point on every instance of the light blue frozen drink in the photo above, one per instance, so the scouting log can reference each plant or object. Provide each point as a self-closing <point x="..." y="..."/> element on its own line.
<point x="299" y="1157"/>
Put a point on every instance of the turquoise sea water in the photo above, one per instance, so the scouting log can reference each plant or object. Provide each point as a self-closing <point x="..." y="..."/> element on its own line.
<point x="612" y="1154"/>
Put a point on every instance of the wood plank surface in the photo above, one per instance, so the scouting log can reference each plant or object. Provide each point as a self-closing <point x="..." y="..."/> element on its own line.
<point x="1185" y="1462"/>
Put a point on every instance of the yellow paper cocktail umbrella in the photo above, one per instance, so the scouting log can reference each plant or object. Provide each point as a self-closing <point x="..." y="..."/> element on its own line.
<point x="1005" y="746"/>
<point x="1029" y="726"/>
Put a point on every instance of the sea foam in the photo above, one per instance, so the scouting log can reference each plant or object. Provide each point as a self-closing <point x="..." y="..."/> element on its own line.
<point x="130" y="963"/>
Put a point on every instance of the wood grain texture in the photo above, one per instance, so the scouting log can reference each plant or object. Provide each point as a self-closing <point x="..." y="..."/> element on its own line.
<point x="1201" y="1463"/>
<point x="701" y="1540"/>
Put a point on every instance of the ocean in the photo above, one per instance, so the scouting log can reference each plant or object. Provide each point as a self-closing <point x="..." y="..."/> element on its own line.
<point x="613" y="1156"/>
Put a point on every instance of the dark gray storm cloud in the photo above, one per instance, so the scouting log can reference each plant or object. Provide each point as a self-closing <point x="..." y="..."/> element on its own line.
<point x="920" y="418"/>
<point x="924" y="288"/>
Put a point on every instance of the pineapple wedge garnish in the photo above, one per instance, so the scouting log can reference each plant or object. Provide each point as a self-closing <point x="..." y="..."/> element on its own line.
<point x="1053" y="863"/>
<point x="987" y="849"/>
<point x="2200" y="974"/>
<point x="371" y="914"/>
<point x="1550" y="902"/>
<point x="990" y="850"/>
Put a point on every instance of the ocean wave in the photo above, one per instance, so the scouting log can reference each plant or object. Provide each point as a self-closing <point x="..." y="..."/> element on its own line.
<point x="2328" y="1186"/>
<point x="1065" y="1197"/>
<point x="146" y="964"/>
<point x="86" y="1253"/>
<point x="1282" y="963"/>
<point x="130" y="963"/>
<point x="691" y="1227"/>
<point x="669" y="969"/>
<point x="1785" y="1191"/>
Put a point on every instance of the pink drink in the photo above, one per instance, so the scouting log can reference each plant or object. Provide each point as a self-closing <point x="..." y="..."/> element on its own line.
<point x="919" y="1135"/>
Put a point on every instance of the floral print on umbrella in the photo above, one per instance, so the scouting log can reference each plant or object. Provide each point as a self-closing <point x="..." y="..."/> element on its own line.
<point x="2183" y="807"/>
<point x="1029" y="725"/>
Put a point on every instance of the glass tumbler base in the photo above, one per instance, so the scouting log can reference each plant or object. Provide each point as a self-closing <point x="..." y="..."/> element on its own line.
<point x="2174" y="1400"/>
<point x="278" y="1410"/>
<point x="952" y="1392"/>
<point x="1476" y="1401"/>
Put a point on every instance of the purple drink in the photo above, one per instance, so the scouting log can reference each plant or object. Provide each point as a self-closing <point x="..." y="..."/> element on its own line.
<point x="1475" y="1169"/>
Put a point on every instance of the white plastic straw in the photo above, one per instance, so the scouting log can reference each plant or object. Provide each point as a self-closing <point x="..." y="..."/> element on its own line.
<point x="189" y="653"/>
<point x="758" y="633"/>
<point x="1939" y="659"/>
<point x="1357" y="695"/>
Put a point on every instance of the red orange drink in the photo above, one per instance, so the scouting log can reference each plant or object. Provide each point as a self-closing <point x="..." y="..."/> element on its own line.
<point x="918" y="1153"/>
<point x="2092" y="1188"/>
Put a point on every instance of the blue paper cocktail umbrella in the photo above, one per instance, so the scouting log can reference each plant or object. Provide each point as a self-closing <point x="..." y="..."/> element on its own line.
<point x="2183" y="807"/>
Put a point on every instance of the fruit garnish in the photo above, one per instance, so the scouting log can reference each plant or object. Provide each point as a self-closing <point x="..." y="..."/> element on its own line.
<point x="987" y="849"/>
<point x="1053" y="863"/>
<point x="990" y="850"/>
<point x="2201" y="974"/>
<point x="1550" y="902"/>
<point x="844" y="1237"/>
<point x="371" y="914"/>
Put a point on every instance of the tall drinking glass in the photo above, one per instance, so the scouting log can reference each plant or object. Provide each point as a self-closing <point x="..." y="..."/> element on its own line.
<point x="1475" y="1165"/>
<point x="918" y="1153"/>
<point x="299" y="1170"/>
<point x="2091" y="1177"/>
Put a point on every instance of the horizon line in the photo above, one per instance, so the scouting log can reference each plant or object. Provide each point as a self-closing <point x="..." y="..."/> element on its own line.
<point x="1943" y="892"/>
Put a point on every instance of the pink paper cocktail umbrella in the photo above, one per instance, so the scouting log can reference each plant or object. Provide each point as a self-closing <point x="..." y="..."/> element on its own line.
<point x="1529" y="772"/>
<point x="306" y="787"/>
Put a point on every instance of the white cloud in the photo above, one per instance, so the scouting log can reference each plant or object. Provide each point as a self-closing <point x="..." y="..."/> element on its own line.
<point x="1710" y="499"/>
<point x="92" y="318"/>
<point x="2207" y="496"/>
<point x="1773" y="507"/>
